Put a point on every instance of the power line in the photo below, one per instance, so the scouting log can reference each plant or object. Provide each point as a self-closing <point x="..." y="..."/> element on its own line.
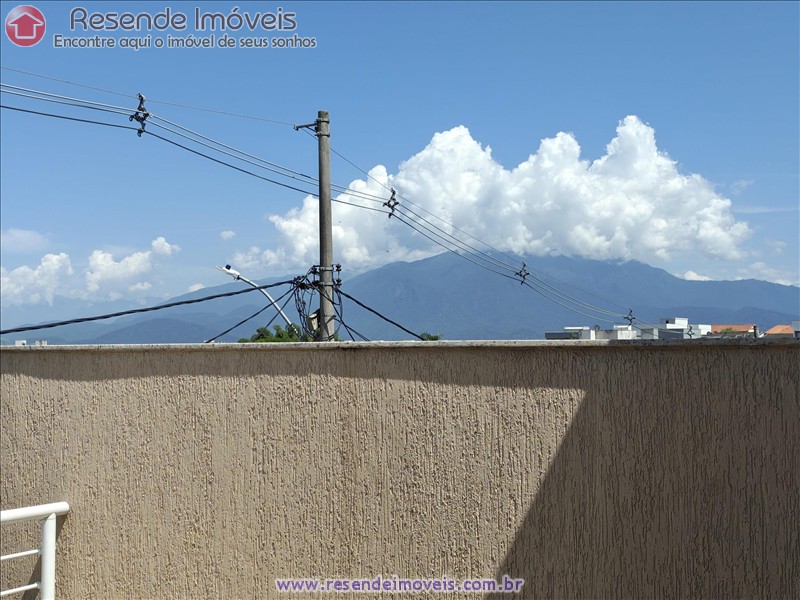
<point x="231" y="154"/>
<point x="155" y="135"/>
<point x="141" y="310"/>
<point x="339" y="307"/>
<point x="64" y="102"/>
<point x="388" y="189"/>
<point x="255" y="314"/>
<point x="81" y="103"/>
<point x="278" y="169"/>
<point x="375" y="312"/>
<point x="243" y="153"/>
<point x="107" y="91"/>
<point x="124" y="109"/>
<point x="544" y="295"/>
<point x="478" y="254"/>
<point x="83" y="85"/>
<point x="407" y="224"/>
<point x="66" y="118"/>
<point x="222" y="162"/>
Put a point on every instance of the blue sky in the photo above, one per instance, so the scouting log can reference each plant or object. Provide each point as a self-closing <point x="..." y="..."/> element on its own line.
<point x="660" y="132"/>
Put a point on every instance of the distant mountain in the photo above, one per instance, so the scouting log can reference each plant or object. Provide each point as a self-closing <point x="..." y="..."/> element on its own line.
<point x="448" y="295"/>
<point x="453" y="297"/>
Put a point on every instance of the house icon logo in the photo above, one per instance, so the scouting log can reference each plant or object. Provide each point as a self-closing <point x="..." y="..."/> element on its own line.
<point x="25" y="25"/>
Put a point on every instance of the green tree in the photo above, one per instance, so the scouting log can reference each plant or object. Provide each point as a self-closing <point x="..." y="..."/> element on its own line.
<point x="430" y="337"/>
<point x="292" y="333"/>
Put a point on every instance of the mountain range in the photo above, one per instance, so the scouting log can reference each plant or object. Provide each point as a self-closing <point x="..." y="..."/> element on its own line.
<point x="457" y="299"/>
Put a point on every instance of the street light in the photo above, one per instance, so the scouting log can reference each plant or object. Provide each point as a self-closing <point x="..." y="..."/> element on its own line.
<point x="238" y="276"/>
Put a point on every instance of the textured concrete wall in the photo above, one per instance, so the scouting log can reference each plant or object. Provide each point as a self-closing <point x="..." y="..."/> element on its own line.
<point x="593" y="471"/>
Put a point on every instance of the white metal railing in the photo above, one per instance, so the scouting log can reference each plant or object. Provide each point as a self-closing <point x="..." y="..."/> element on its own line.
<point x="47" y="514"/>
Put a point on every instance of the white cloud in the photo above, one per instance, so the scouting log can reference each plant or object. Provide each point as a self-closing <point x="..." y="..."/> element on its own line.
<point x="195" y="287"/>
<point x="24" y="285"/>
<point x="777" y="246"/>
<point x="103" y="278"/>
<point x="761" y="270"/>
<point x="103" y="267"/>
<point x="692" y="276"/>
<point x="103" y="270"/>
<point x="227" y="234"/>
<point x="737" y="187"/>
<point x="20" y="241"/>
<point x="161" y="246"/>
<point x="632" y="203"/>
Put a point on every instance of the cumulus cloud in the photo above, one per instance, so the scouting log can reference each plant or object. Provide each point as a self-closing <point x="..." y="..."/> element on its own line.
<point x="195" y="287"/>
<point x="692" y="276"/>
<point x="103" y="268"/>
<point x="227" y="234"/>
<point x="632" y="203"/>
<point x="25" y="285"/>
<point x="161" y="246"/>
<point x="104" y="276"/>
<point x="20" y="241"/>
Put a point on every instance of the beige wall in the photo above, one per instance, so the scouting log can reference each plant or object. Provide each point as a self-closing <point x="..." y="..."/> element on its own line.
<point x="590" y="470"/>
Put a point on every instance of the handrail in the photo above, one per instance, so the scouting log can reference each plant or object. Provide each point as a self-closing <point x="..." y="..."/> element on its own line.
<point x="30" y="513"/>
<point x="47" y="514"/>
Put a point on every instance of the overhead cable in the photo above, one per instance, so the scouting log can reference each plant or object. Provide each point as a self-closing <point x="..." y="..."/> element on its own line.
<point x="385" y="318"/>
<point x="165" y="102"/>
<point x="141" y="310"/>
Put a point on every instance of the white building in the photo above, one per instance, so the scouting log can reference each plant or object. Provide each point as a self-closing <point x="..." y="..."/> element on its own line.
<point x="670" y="328"/>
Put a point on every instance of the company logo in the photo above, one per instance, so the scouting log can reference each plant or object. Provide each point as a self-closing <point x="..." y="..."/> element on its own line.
<point x="25" y="25"/>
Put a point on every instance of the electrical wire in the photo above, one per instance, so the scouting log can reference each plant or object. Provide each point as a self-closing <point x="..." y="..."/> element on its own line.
<point x="66" y="118"/>
<point x="141" y="310"/>
<point x="255" y="314"/>
<point x="388" y="189"/>
<point x="407" y="224"/>
<point x="124" y="109"/>
<point x="375" y="312"/>
<point x="466" y="248"/>
<point x="276" y="171"/>
<point x="165" y="102"/>
<point x="257" y="161"/>
<point x="242" y="152"/>
<point x="227" y="164"/>
<point x="64" y="102"/>
<point x="339" y="308"/>
<point x="89" y="104"/>
<point x="544" y="295"/>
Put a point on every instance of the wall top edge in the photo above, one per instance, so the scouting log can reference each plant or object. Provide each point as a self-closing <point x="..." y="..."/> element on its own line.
<point x="415" y="345"/>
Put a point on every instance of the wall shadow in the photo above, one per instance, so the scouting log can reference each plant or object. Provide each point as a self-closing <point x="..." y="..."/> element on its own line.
<point x="684" y="485"/>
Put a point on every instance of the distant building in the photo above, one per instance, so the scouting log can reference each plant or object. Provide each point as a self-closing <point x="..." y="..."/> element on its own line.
<point x="796" y="329"/>
<point x="780" y="331"/>
<point x="618" y="332"/>
<point x="735" y="330"/>
<point x="670" y="328"/>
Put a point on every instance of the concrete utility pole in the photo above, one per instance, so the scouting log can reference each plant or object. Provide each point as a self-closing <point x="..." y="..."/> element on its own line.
<point x="326" y="322"/>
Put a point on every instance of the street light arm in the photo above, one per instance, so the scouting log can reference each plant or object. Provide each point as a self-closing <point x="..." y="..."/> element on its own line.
<point x="238" y="276"/>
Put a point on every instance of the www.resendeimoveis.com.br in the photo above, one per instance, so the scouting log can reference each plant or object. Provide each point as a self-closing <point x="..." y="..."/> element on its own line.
<point x="394" y="584"/>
